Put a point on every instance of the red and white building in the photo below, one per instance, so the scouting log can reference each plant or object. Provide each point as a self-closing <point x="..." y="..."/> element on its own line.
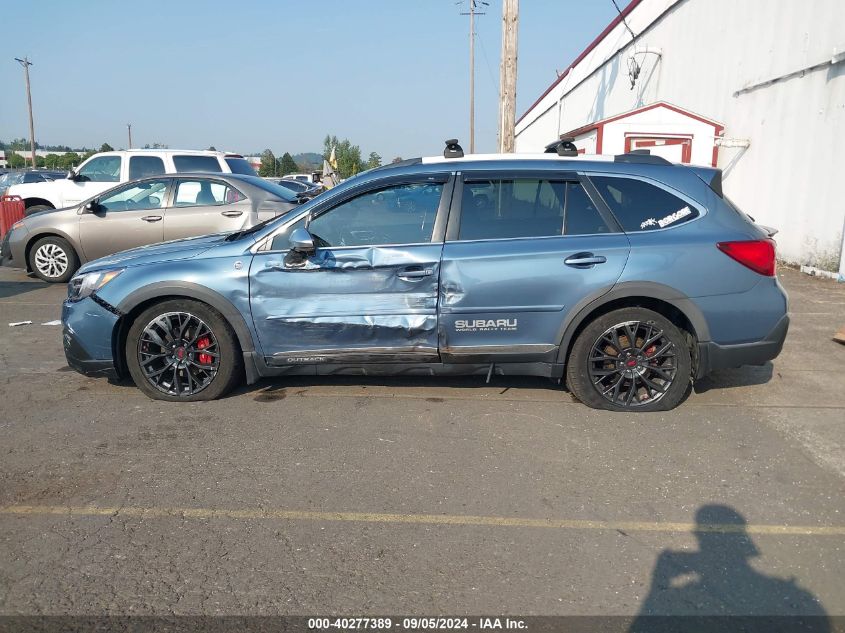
<point x="755" y="87"/>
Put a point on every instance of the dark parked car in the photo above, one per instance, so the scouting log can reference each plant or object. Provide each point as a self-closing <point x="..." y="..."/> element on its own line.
<point x="303" y="190"/>
<point x="53" y="243"/>
<point x="27" y="176"/>
<point x="628" y="277"/>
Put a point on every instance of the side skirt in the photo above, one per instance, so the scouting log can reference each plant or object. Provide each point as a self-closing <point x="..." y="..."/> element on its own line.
<point x="257" y="367"/>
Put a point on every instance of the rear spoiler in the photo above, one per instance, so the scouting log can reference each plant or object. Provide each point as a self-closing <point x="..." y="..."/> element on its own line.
<point x="710" y="175"/>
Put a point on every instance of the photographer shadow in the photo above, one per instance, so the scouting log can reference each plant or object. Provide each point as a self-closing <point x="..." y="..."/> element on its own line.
<point x="716" y="589"/>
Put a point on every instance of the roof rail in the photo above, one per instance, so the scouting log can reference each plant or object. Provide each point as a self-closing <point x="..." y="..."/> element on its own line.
<point x="641" y="156"/>
<point x="453" y="150"/>
<point x="563" y="147"/>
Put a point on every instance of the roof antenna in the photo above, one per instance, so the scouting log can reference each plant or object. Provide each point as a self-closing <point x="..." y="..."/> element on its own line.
<point x="453" y="150"/>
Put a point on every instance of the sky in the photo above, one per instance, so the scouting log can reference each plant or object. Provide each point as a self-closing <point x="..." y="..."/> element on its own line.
<point x="389" y="75"/>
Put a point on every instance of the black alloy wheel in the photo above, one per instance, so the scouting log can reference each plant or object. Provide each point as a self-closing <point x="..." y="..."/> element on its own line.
<point x="179" y="354"/>
<point x="183" y="350"/>
<point x="630" y="359"/>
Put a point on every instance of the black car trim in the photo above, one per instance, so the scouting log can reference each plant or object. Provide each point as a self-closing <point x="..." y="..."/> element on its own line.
<point x="714" y="356"/>
<point x="188" y="290"/>
<point x="647" y="289"/>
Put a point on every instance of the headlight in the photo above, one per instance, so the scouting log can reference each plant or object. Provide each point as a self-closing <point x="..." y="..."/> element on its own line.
<point x="82" y="286"/>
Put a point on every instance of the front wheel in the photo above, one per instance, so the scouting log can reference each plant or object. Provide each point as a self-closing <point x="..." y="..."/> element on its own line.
<point x="53" y="259"/>
<point x="183" y="351"/>
<point x="631" y="359"/>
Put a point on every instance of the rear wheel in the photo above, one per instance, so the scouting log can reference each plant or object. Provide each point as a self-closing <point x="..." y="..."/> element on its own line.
<point x="632" y="359"/>
<point x="53" y="259"/>
<point x="183" y="351"/>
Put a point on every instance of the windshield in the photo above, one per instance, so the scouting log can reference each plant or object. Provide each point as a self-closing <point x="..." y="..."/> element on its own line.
<point x="7" y="180"/>
<point x="240" y="166"/>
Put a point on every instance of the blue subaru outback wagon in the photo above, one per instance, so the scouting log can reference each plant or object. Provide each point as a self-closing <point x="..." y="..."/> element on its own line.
<point x="627" y="277"/>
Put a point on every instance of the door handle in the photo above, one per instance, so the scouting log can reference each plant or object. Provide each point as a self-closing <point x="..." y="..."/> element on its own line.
<point x="584" y="260"/>
<point x="415" y="273"/>
<point x="231" y="214"/>
<point x="151" y="218"/>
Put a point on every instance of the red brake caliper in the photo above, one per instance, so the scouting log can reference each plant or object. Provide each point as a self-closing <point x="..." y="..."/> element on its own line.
<point x="205" y="359"/>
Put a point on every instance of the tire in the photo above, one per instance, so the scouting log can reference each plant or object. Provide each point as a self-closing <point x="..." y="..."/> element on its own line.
<point x="654" y="374"/>
<point x="176" y="370"/>
<point x="53" y="259"/>
<point x="36" y="208"/>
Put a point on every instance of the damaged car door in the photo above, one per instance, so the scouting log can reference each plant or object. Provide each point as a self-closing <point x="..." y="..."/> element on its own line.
<point x="365" y="290"/>
<point x="521" y="253"/>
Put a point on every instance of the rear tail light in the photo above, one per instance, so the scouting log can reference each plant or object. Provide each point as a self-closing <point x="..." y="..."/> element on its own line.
<point x="758" y="255"/>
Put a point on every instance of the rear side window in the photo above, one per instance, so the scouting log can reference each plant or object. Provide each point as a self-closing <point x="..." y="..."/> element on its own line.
<point x="527" y="207"/>
<point x="207" y="164"/>
<point x="143" y="166"/>
<point x="640" y="206"/>
<point x="240" y="166"/>
<point x="192" y="193"/>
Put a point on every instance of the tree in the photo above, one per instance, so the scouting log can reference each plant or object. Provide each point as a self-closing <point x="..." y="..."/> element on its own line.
<point x="347" y="155"/>
<point x="105" y="147"/>
<point x="398" y="159"/>
<point x="373" y="161"/>
<point x="15" y="160"/>
<point x="268" y="164"/>
<point x="287" y="165"/>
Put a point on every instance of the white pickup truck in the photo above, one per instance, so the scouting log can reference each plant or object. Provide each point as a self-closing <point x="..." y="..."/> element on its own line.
<point x="108" y="169"/>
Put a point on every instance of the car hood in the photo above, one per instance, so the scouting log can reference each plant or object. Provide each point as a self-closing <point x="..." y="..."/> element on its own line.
<point x="153" y="253"/>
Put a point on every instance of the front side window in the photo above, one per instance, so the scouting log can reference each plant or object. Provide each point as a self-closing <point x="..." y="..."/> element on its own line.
<point x="136" y="197"/>
<point x="400" y="214"/>
<point x="640" y="206"/>
<point x="100" y="169"/>
<point x="143" y="166"/>
<point x="192" y="193"/>
<point x="206" y="164"/>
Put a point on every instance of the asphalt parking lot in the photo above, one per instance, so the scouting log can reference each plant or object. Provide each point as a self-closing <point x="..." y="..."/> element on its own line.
<point x="341" y="495"/>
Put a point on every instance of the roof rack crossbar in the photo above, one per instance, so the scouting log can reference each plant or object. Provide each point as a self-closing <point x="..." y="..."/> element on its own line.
<point x="641" y="156"/>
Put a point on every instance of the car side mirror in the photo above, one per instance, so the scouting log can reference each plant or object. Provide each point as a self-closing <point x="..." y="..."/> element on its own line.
<point x="301" y="241"/>
<point x="71" y="175"/>
<point x="92" y="206"/>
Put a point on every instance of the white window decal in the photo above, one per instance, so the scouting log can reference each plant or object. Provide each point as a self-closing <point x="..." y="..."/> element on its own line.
<point x="669" y="219"/>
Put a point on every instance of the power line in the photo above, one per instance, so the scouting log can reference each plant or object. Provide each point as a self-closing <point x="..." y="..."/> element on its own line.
<point x="633" y="35"/>
<point x="473" y="5"/>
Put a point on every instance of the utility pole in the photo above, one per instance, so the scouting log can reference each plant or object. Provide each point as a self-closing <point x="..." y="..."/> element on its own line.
<point x="507" y="75"/>
<point x="472" y="13"/>
<point x="26" y="64"/>
<point x="129" y="129"/>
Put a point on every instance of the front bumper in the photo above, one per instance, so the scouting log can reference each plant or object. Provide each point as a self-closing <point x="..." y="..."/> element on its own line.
<point x="714" y="356"/>
<point x="88" y="329"/>
<point x="6" y="251"/>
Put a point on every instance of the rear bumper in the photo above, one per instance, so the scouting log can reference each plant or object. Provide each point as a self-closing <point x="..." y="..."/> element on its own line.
<point x="87" y="329"/>
<point x="714" y="356"/>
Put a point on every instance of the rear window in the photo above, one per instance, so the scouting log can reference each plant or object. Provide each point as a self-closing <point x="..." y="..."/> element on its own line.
<point x="240" y="166"/>
<point x="641" y="206"/>
<point x="208" y="164"/>
<point x="280" y="192"/>
<point x="143" y="166"/>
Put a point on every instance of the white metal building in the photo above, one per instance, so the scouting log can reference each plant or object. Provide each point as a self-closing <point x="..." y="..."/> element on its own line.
<point x="755" y="87"/>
